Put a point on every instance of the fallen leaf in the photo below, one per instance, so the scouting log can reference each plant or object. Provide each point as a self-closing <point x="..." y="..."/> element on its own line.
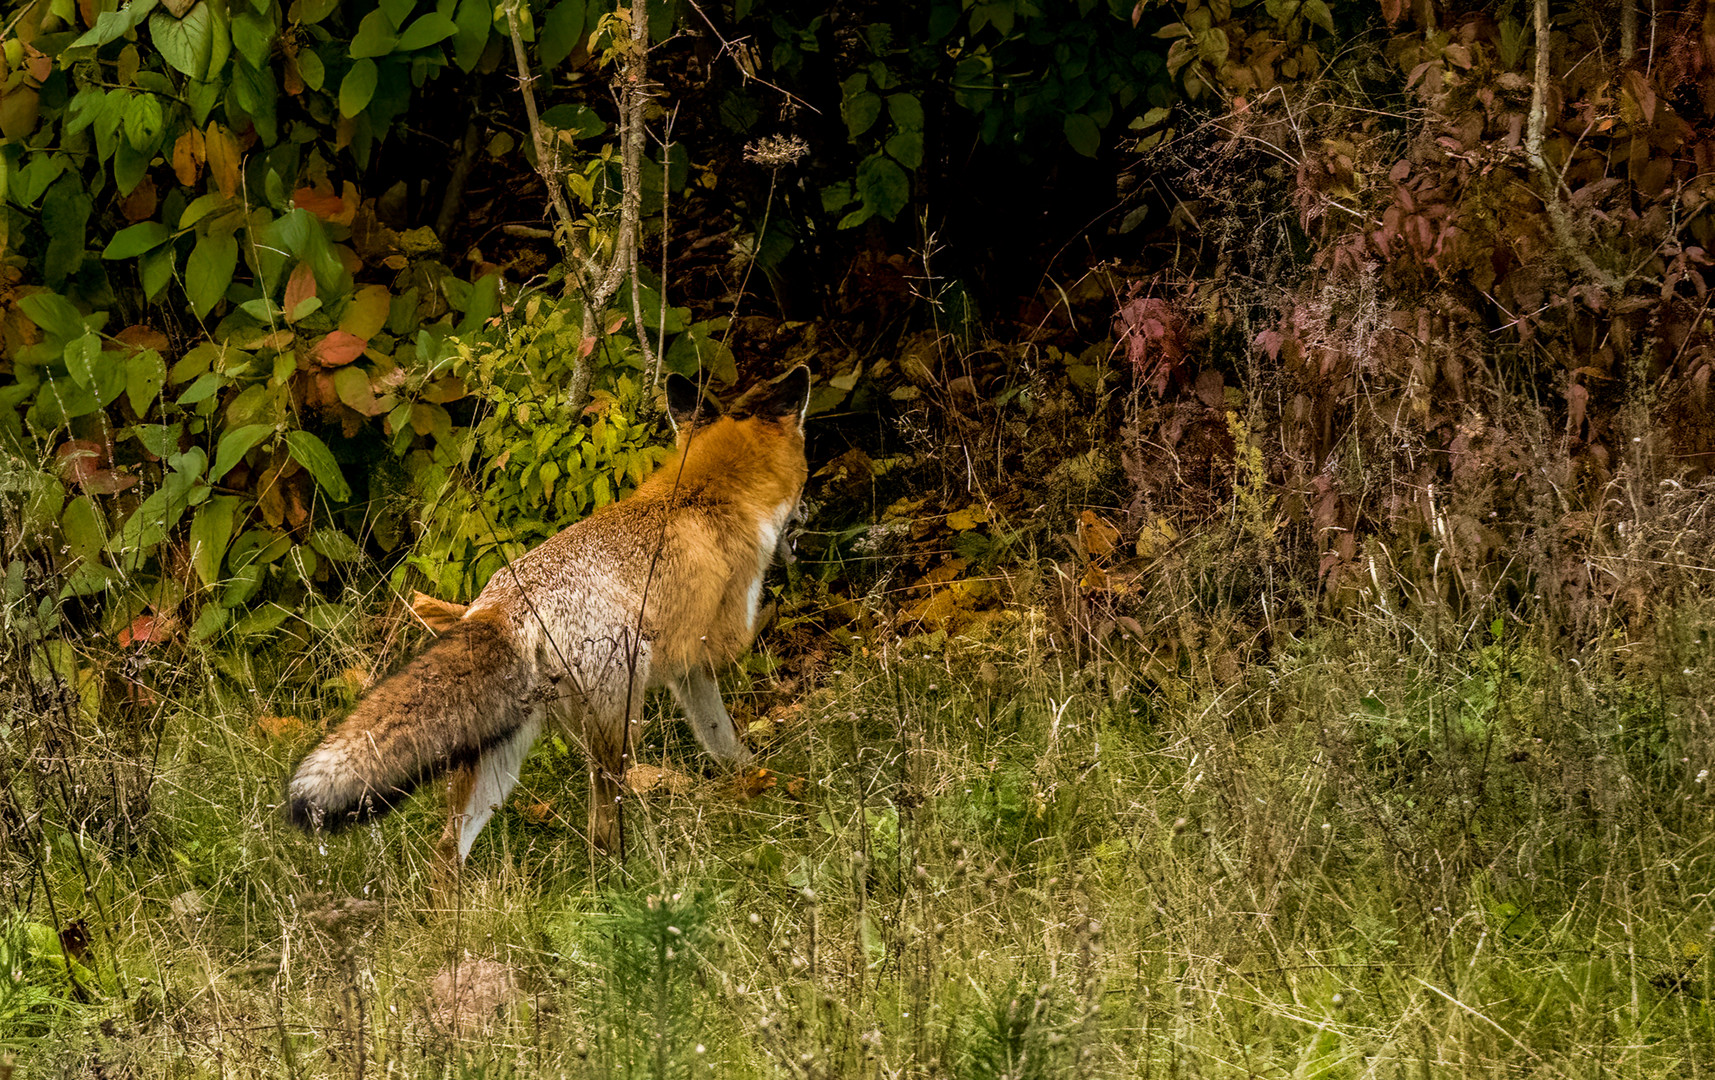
<point x="646" y="778"/>
<point x="279" y="727"/>
<point x="1097" y="537"/>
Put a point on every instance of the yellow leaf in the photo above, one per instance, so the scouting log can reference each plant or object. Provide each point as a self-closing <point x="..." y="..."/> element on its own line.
<point x="224" y="159"/>
<point x="967" y="519"/>
<point x="367" y="313"/>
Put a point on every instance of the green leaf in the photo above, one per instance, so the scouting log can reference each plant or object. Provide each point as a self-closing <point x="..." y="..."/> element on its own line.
<point x="311" y="69"/>
<point x="905" y="111"/>
<point x="209" y="271"/>
<point x="211" y="532"/>
<point x="54" y="314"/>
<point x="162" y="440"/>
<point x="335" y="545"/>
<point x="210" y="622"/>
<point x="253" y="35"/>
<point x="860" y="112"/>
<point x="234" y="445"/>
<point x="145" y="374"/>
<point x="581" y="120"/>
<point x="376" y="36"/>
<point x="562" y="30"/>
<point x="84" y="528"/>
<point x="157" y="268"/>
<point x="357" y="88"/>
<point x="883" y="186"/>
<point x="318" y="461"/>
<point x="1083" y="134"/>
<point x="131" y="242"/>
<point x="143" y="120"/>
<point x="426" y="31"/>
<point x="475" y="19"/>
<point x="113" y="25"/>
<point x="906" y="148"/>
<point x="82" y="354"/>
<point x="186" y="43"/>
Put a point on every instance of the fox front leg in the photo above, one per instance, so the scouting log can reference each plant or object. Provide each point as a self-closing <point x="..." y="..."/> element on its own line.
<point x="700" y="696"/>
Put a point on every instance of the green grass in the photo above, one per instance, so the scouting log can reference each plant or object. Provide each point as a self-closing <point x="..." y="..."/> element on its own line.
<point x="1371" y="857"/>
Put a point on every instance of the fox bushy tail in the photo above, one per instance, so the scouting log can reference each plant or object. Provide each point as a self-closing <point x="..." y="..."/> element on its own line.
<point x="465" y="692"/>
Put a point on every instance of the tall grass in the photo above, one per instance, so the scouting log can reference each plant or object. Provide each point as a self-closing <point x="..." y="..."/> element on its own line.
<point x="1375" y="855"/>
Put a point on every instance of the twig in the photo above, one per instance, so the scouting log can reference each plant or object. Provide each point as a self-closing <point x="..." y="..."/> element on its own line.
<point x="569" y="246"/>
<point x="1547" y="176"/>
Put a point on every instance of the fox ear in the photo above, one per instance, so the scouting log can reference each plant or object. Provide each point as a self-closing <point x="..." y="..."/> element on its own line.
<point x="686" y="405"/>
<point x="789" y="398"/>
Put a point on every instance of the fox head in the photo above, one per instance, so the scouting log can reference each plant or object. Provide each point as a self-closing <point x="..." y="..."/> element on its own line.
<point x="755" y="447"/>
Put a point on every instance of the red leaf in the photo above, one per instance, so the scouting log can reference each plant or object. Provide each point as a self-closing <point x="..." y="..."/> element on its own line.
<point x="300" y="287"/>
<point x="79" y="459"/>
<point x="338" y="348"/>
<point x="138" y="337"/>
<point x="148" y="629"/>
<point x="321" y="202"/>
<point x="107" y="482"/>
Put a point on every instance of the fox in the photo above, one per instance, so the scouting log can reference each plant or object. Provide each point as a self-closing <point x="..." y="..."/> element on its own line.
<point x="660" y="589"/>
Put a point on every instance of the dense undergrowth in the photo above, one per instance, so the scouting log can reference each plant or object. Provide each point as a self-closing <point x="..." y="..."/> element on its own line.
<point x="1389" y="851"/>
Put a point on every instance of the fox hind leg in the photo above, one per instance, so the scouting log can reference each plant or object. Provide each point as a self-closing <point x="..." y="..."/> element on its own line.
<point x="476" y="790"/>
<point x="700" y="696"/>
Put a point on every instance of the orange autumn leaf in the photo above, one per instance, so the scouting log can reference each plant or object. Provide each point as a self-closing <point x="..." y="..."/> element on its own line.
<point x="224" y="159"/>
<point x="279" y="727"/>
<point x="321" y="202"/>
<point x="189" y="153"/>
<point x="338" y="348"/>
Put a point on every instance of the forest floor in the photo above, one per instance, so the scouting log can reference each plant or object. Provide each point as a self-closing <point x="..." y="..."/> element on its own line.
<point x="1371" y="855"/>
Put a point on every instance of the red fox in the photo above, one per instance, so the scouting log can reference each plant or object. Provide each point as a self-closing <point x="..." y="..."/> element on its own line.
<point x="660" y="589"/>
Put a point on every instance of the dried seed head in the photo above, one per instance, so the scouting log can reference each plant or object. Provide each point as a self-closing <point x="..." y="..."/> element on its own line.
<point x="776" y="151"/>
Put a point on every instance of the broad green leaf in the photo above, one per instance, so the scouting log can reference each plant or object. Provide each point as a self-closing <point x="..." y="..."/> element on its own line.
<point x="234" y="445"/>
<point x="905" y="111"/>
<point x="1083" y="134"/>
<point x="162" y="440"/>
<point x="860" y="112"/>
<point x="906" y="148"/>
<point x="253" y="35"/>
<point x="426" y="31"/>
<point x="131" y="242"/>
<point x="883" y="186"/>
<point x="581" y="120"/>
<point x="54" y="314"/>
<point x="143" y="120"/>
<point x="113" y="25"/>
<point x="475" y="19"/>
<point x="187" y="43"/>
<point x="84" y="528"/>
<point x="82" y="354"/>
<point x="314" y="456"/>
<point x="157" y="267"/>
<point x="210" y="622"/>
<point x="357" y="88"/>
<point x="211" y="532"/>
<point x="209" y="271"/>
<point x="562" y="31"/>
<point x="145" y="374"/>
<point x="376" y="36"/>
<point x="311" y="69"/>
<point x="335" y="545"/>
